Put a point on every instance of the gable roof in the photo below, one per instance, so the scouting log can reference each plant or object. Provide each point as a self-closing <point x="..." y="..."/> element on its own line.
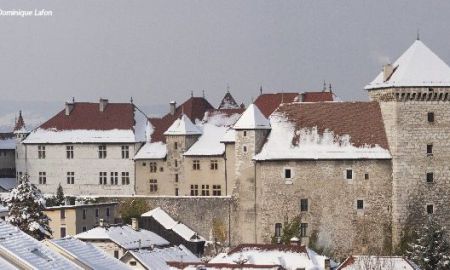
<point x="417" y="66"/>
<point x="87" y="253"/>
<point x="29" y="251"/>
<point x="183" y="126"/>
<point x="268" y="103"/>
<point x="194" y="108"/>
<point x="156" y="150"/>
<point x="252" y="118"/>
<point x="378" y="262"/>
<point x="326" y="130"/>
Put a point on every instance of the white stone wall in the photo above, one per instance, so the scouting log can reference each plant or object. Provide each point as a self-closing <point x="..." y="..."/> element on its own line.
<point x="86" y="165"/>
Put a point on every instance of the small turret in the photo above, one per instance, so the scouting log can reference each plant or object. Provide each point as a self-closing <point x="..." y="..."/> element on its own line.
<point x="20" y="130"/>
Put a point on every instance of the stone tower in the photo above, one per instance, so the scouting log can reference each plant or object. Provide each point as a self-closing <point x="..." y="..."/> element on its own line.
<point x="251" y="129"/>
<point x="414" y="96"/>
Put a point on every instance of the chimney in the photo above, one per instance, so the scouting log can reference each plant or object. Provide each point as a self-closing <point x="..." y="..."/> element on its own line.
<point x="102" y="104"/>
<point x="135" y="224"/>
<point x="295" y="241"/>
<point x="101" y="223"/>
<point x="173" y="106"/>
<point x="327" y="264"/>
<point x="388" y="69"/>
<point x="69" y="107"/>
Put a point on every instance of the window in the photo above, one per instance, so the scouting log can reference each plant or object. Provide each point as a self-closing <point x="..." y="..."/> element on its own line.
<point x="303" y="229"/>
<point x="70" y="178"/>
<point x="143" y="164"/>
<point x="102" y="178"/>
<point x="205" y="190"/>
<point x="430" y="117"/>
<point x="63" y="232"/>
<point x="96" y="212"/>
<point x="194" y="190"/>
<point x="161" y="169"/>
<point x="69" y="151"/>
<point x="429" y="149"/>
<point x="153" y="167"/>
<point x="278" y="227"/>
<point x="176" y="163"/>
<point x="216" y="190"/>
<point x="366" y="176"/>
<point x="214" y="165"/>
<point x="84" y="228"/>
<point x="114" y="178"/>
<point x="359" y="204"/>
<point x="244" y="148"/>
<point x="125" y="178"/>
<point x="42" y="178"/>
<point x="175" y="145"/>
<point x="245" y="133"/>
<point x="41" y="152"/>
<point x="116" y="254"/>
<point x="62" y="214"/>
<point x="102" y="151"/>
<point x="287" y="173"/>
<point x="133" y="263"/>
<point x="304" y="205"/>
<point x="84" y="213"/>
<point x="176" y="191"/>
<point x="430" y="177"/>
<point x="430" y="209"/>
<point x="176" y="178"/>
<point x="349" y="174"/>
<point x="107" y="211"/>
<point x="196" y="165"/>
<point x="153" y="185"/>
<point x="125" y="151"/>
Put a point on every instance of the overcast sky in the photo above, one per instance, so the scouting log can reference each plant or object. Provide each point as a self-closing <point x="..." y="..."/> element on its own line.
<point x="157" y="51"/>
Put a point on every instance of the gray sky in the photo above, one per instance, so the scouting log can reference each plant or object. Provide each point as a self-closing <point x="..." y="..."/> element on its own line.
<point x="157" y="51"/>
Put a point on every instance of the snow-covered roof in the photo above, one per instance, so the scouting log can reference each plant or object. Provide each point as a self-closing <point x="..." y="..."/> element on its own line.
<point x="8" y="144"/>
<point x="157" y="258"/>
<point x="209" y="144"/>
<point x="377" y="262"/>
<point x="30" y="251"/>
<point x="287" y="256"/>
<point x="88" y="254"/>
<point x="80" y="136"/>
<point x="170" y="224"/>
<point x="124" y="236"/>
<point x="229" y="136"/>
<point x="252" y="118"/>
<point x="8" y="183"/>
<point x="156" y="150"/>
<point x="417" y="66"/>
<point x="183" y="126"/>
<point x="5" y="265"/>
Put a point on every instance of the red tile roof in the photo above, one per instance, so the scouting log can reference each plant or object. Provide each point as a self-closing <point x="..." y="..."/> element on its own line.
<point x="316" y="96"/>
<point x="269" y="247"/>
<point x="194" y="108"/>
<point x="86" y="115"/>
<point x="268" y="103"/>
<point x="361" y="120"/>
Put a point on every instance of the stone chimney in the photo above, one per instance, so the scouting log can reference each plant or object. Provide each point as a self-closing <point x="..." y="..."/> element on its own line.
<point x="295" y="241"/>
<point x="101" y="223"/>
<point x="102" y="104"/>
<point x="388" y="69"/>
<point x="327" y="264"/>
<point x="173" y="106"/>
<point x="69" y="108"/>
<point x="135" y="224"/>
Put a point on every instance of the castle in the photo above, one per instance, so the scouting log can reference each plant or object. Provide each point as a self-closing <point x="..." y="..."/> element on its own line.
<point x="357" y="174"/>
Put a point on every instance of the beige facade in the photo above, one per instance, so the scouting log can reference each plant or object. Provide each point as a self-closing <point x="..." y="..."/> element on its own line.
<point x="153" y="177"/>
<point x="75" y="219"/>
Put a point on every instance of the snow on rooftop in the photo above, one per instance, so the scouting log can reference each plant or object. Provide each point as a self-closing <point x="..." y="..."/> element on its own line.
<point x="8" y="144"/>
<point x="29" y="250"/>
<point x="124" y="236"/>
<point x="170" y="224"/>
<point x="156" y="150"/>
<point x="209" y="144"/>
<point x="157" y="258"/>
<point x="309" y="260"/>
<point x="8" y="183"/>
<point x="417" y="66"/>
<point x="183" y="126"/>
<point x="312" y="145"/>
<point x="229" y="136"/>
<point x="5" y="265"/>
<point x="88" y="254"/>
<point x="252" y="118"/>
<point x="377" y="262"/>
<point x="80" y="136"/>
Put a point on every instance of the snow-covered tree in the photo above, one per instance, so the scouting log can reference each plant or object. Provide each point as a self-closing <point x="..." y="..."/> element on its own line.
<point x="431" y="251"/>
<point x="26" y="210"/>
<point x="60" y="199"/>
